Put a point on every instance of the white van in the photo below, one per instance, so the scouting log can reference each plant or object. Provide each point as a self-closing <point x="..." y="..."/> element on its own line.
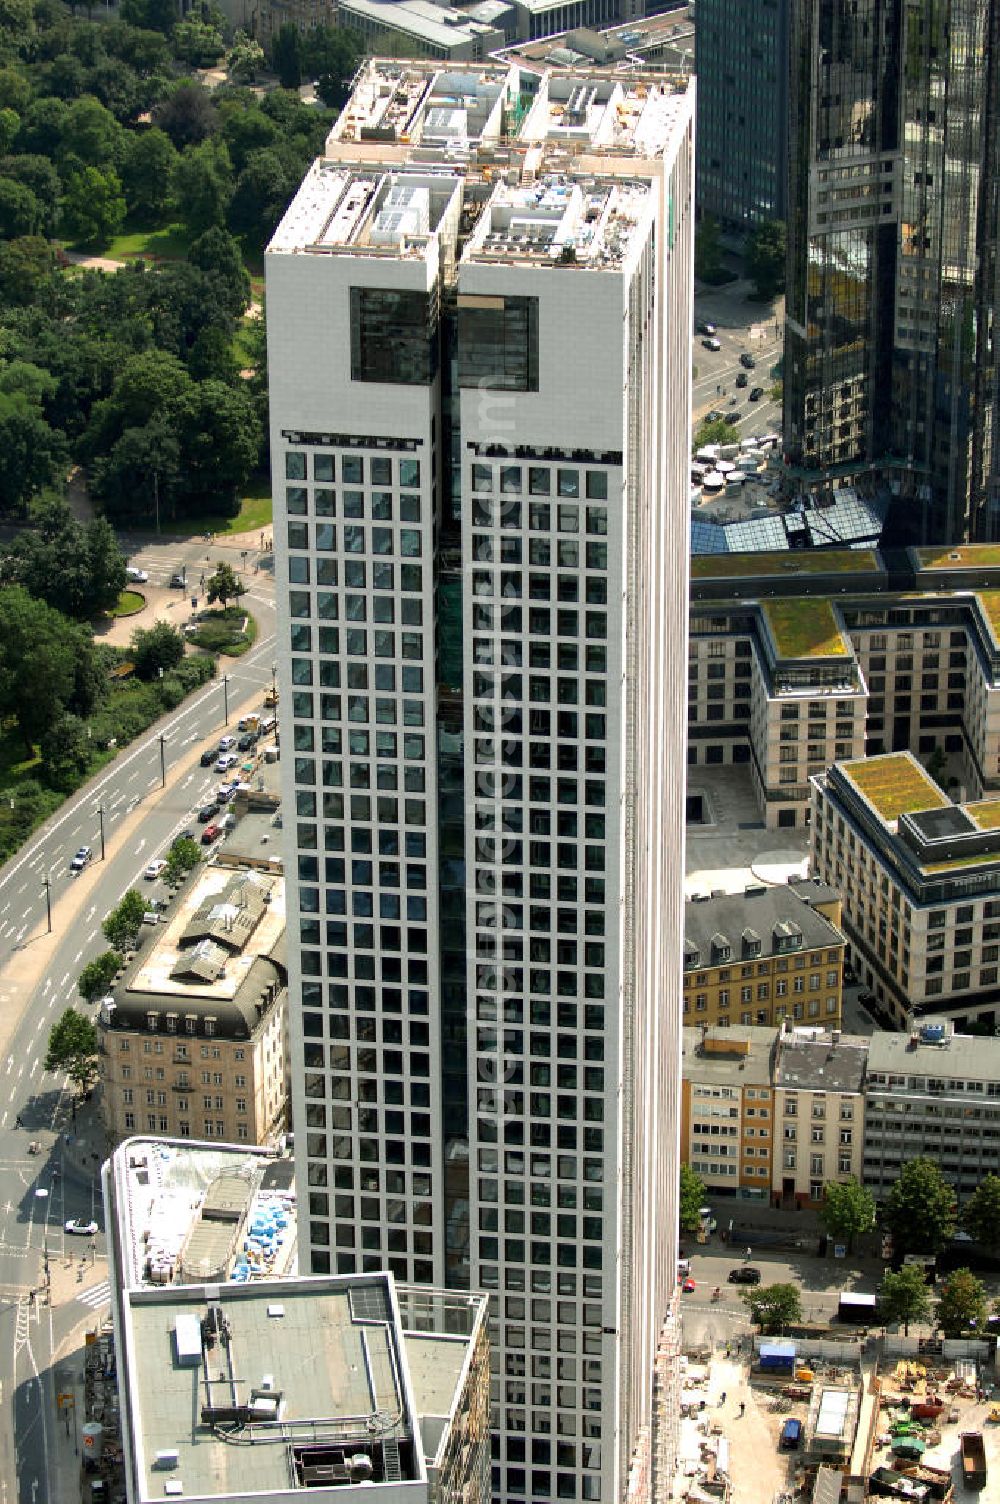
<point x="136" y="576"/>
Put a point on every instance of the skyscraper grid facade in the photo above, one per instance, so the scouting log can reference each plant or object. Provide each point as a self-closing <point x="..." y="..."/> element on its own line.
<point x="890" y="363"/>
<point x="479" y="313"/>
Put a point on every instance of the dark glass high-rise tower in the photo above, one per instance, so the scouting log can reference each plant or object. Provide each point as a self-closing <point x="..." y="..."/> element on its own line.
<point x="890" y="365"/>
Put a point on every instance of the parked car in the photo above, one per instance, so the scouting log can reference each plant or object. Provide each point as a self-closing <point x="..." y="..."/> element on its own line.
<point x="225" y="762"/>
<point x="744" y="1274"/>
<point x="156" y="866"/>
<point x="688" y="1286"/>
<point x="209" y="834"/>
<point x="714" y="416"/>
<point x="186" y="835"/>
<point x="742" y="379"/>
<point x="248" y="722"/>
<point x="207" y="758"/>
<point x="246" y="741"/>
<point x="225" y="791"/>
<point x="227" y="743"/>
<point x="208" y="812"/>
<point x="712" y="343"/>
<point x="136" y="576"/>
<point x="756" y="393"/>
<point x="80" y="860"/>
<point x="80" y="1227"/>
<point x="704" y="327"/>
<point x="747" y="361"/>
<point x="178" y="582"/>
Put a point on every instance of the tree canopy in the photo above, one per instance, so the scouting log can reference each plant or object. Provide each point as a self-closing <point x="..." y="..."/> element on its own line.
<point x="77" y="568"/>
<point x="691" y="1199"/>
<point x="920" y="1209"/>
<point x="765" y="258"/>
<point x="223" y="584"/>
<point x="97" y="976"/>
<point x="45" y="664"/>
<point x="774" y="1308"/>
<point x="961" y="1305"/>
<point x="848" y="1210"/>
<point x="73" y="1049"/>
<point x="904" y="1296"/>
<point x="981" y="1213"/>
<point x="121" y="927"/>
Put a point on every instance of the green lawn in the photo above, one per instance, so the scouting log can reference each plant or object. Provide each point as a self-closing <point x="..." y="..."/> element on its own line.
<point x="254" y="513"/>
<point x="243" y="349"/>
<point x="129" y="603"/>
<point x="160" y="242"/>
<point x="14" y="761"/>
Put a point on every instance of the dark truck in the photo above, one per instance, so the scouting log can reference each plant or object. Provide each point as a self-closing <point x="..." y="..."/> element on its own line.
<point x="973" y="1459"/>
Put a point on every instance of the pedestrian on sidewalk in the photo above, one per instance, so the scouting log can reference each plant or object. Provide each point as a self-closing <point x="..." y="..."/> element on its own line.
<point x="743" y="1407"/>
<point x="722" y="1399"/>
<point x="17" y="1122"/>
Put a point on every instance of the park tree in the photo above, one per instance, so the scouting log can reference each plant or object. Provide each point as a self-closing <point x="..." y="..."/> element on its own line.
<point x="21" y="213"/>
<point x="93" y="209"/>
<point x="73" y="1049"/>
<point x="774" y="1308"/>
<point x="147" y="172"/>
<point x="920" y="1209"/>
<point x="260" y="194"/>
<point x="156" y="650"/>
<point x="122" y="925"/>
<point x="218" y="255"/>
<point x="92" y="135"/>
<point x="247" y="129"/>
<point x="15" y="90"/>
<point x="223" y="585"/>
<point x="961" y="1306"/>
<point x="765" y="258"/>
<point x="331" y="54"/>
<point x="691" y="1199"/>
<point x="286" y="55"/>
<point x="197" y="43"/>
<point x="220" y="434"/>
<point x="848" y="1210"/>
<point x="246" y="58"/>
<point x="42" y="664"/>
<point x="77" y="568"/>
<point x="141" y="473"/>
<point x="38" y="174"/>
<point x="32" y="454"/>
<point x="904" y="1296"/>
<point x="65" y="752"/>
<point x="187" y="114"/>
<point x="97" y="976"/>
<point x="26" y="264"/>
<point x="10" y="124"/>
<point x="981" y="1213"/>
<point x="202" y="184"/>
<point x="182" y="857"/>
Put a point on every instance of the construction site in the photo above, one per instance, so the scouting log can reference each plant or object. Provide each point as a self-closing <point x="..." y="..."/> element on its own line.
<point x="824" y="1421"/>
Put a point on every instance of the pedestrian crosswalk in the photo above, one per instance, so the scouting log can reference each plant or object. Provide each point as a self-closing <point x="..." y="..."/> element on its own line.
<point x="96" y="1296"/>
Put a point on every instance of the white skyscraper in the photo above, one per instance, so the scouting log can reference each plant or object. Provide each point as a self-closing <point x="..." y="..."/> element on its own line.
<point x="479" y="315"/>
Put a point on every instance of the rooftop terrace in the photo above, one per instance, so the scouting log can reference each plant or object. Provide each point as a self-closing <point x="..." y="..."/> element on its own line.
<point x="894" y="784"/>
<point x="421" y="103"/>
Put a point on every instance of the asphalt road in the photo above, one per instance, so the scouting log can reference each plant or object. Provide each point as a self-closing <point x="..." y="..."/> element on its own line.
<point x="40" y="1192"/>
<point x="741" y="327"/>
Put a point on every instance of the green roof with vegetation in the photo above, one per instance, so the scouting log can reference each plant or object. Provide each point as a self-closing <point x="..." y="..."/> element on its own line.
<point x="961" y="556"/>
<point x="985" y="813"/>
<point x="805" y="628"/>
<point x="817" y="561"/>
<point x="989" y="600"/>
<point x="894" y="784"/>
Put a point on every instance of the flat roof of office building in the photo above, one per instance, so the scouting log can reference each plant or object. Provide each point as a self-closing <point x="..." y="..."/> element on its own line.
<point x="265" y="1389"/>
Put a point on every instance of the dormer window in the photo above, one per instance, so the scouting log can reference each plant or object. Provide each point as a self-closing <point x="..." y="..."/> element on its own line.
<point x="152" y="1022"/>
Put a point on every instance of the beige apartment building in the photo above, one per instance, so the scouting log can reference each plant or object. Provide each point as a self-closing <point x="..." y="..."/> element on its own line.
<point x="818" y="1113"/>
<point x="193" y="1040"/>
<point x="801" y="659"/>
<point x="920" y="878"/>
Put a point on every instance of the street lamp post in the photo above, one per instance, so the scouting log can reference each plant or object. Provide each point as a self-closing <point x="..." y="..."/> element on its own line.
<point x="163" y="763"/>
<point x="225" y="698"/>
<point x="48" y="903"/>
<point x="274" y="684"/>
<point x="100" y="811"/>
